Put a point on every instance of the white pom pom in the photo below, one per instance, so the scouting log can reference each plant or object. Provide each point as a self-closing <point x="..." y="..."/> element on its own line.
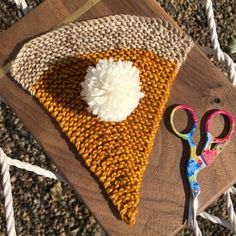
<point x="112" y="89"/>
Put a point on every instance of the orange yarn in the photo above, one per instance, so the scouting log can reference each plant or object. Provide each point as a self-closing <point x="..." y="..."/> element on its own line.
<point x="116" y="152"/>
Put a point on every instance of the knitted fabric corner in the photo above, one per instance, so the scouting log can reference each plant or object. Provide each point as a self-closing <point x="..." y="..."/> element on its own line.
<point x="51" y="67"/>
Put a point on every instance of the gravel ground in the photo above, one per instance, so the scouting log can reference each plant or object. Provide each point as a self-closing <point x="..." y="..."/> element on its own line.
<point x="47" y="207"/>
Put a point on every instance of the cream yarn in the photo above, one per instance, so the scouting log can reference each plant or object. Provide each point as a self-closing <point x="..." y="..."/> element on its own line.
<point x="112" y="89"/>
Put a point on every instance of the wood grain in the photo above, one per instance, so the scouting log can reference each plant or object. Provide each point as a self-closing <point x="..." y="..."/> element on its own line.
<point x="164" y="197"/>
<point x="47" y="16"/>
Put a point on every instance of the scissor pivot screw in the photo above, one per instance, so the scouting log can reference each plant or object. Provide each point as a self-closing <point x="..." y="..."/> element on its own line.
<point x="217" y="100"/>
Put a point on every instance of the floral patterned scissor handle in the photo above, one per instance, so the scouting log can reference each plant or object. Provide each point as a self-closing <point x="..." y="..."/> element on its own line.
<point x="197" y="163"/>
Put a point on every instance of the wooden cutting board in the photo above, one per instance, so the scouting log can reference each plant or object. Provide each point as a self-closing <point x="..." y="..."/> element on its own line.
<point x="164" y="197"/>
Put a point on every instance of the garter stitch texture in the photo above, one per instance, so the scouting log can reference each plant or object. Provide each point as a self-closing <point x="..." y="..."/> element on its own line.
<point x="51" y="67"/>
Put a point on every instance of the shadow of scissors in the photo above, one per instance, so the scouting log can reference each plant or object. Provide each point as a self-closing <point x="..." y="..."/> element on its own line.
<point x="211" y="150"/>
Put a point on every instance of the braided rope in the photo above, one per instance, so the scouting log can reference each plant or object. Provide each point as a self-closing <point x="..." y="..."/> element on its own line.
<point x="7" y="193"/>
<point x="231" y="224"/>
<point x="5" y="162"/>
<point x="230" y="208"/>
<point x="196" y="228"/>
<point x="211" y="52"/>
<point x="21" y="4"/>
<point x="192" y="215"/>
<point x="220" y="55"/>
<point x="33" y="168"/>
<point x="226" y="60"/>
<point x="215" y="219"/>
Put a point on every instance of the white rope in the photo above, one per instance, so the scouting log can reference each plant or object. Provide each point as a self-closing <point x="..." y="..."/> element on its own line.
<point x="220" y="55"/>
<point x="230" y="208"/>
<point x="5" y="162"/>
<point x="226" y="60"/>
<point x="211" y="52"/>
<point x="7" y="193"/>
<point x="215" y="219"/>
<point x="196" y="228"/>
<point x="21" y="4"/>
<point x="231" y="224"/>
<point x="192" y="219"/>
<point x="36" y="169"/>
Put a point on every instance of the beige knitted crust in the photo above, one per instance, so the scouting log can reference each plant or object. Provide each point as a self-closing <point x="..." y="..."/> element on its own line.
<point x="113" y="32"/>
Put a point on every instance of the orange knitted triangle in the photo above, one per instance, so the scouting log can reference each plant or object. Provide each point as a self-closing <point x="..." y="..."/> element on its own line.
<point x="115" y="152"/>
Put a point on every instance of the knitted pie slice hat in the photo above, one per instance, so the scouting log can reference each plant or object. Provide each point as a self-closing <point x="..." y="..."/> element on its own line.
<point x="52" y="67"/>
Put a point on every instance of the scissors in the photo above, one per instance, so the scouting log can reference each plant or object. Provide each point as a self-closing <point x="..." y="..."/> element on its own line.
<point x="209" y="153"/>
